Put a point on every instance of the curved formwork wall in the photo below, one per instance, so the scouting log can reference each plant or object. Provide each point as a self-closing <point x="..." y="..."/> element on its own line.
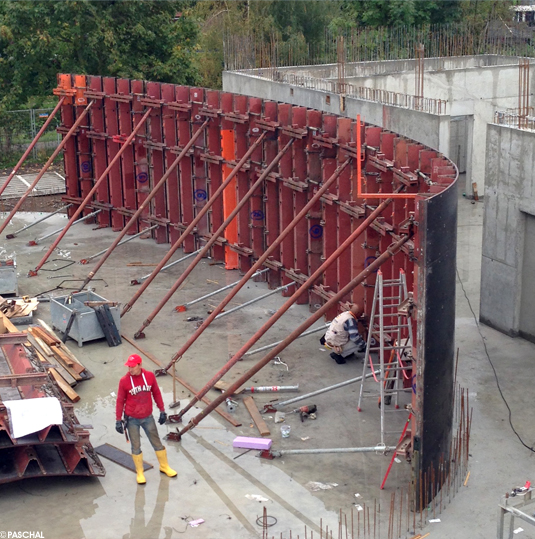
<point x="309" y="148"/>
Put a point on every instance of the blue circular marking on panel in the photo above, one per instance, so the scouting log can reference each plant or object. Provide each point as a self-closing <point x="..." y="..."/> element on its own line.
<point x="369" y="260"/>
<point x="86" y="166"/>
<point x="142" y="177"/>
<point x="257" y="215"/>
<point x="200" y="194"/>
<point x="316" y="231"/>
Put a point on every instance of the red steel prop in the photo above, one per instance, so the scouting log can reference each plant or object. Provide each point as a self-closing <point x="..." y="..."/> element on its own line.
<point x="45" y="168"/>
<point x="89" y="196"/>
<point x="215" y="237"/>
<point x="145" y="203"/>
<point x="389" y="253"/>
<point x="33" y="143"/>
<point x="258" y="264"/>
<point x="289" y="302"/>
<point x="193" y="224"/>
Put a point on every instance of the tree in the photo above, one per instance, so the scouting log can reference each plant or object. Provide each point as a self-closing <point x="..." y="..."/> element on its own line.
<point x="144" y="40"/>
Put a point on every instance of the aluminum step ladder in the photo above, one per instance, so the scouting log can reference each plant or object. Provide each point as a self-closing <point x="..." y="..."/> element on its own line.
<point x="390" y="339"/>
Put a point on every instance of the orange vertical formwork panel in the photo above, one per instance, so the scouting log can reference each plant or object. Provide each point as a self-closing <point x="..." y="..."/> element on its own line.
<point x="230" y="193"/>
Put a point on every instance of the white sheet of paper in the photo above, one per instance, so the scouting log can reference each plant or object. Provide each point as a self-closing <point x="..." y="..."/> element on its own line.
<point x="32" y="415"/>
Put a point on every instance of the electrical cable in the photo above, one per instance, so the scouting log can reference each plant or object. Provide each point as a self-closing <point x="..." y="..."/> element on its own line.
<point x="492" y="365"/>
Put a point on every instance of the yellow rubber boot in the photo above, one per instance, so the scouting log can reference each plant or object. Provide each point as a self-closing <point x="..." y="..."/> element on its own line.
<point x="164" y="466"/>
<point x="138" y="463"/>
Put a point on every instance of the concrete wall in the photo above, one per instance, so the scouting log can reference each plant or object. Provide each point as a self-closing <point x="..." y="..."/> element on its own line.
<point x="430" y="129"/>
<point x="510" y="197"/>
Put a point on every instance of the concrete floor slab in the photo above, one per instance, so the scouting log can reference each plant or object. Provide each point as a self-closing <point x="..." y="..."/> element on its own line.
<point x="212" y="484"/>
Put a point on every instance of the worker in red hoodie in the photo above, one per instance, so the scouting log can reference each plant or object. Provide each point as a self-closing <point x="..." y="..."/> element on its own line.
<point x="134" y="399"/>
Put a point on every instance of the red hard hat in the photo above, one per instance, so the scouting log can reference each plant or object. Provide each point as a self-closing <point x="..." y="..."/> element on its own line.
<point x="133" y="360"/>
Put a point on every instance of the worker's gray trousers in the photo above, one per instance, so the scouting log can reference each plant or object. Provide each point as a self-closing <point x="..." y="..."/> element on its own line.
<point x="149" y="426"/>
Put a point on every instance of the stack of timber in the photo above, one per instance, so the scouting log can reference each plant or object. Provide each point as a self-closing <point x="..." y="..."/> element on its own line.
<point x="19" y="310"/>
<point x="53" y="355"/>
<point x="56" y="450"/>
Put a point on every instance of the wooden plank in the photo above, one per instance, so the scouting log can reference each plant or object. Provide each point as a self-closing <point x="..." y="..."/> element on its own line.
<point x="59" y="368"/>
<point x="224" y="415"/>
<point x="261" y="425"/>
<point x="7" y="326"/>
<point x="64" y="386"/>
<point x="42" y="345"/>
<point x="65" y="359"/>
<point x="223" y="386"/>
<point x="49" y="339"/>
<point x="70" y="370"/>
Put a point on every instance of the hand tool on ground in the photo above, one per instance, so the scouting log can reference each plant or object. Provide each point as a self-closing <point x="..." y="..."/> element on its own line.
<point x="305" y="411"/>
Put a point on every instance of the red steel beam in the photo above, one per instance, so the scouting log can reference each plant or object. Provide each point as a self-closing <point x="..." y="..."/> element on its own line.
<point x="31" y="146"/>
<point x="45" y="168"/>
<point x="191" y="226"/>
<point x="215" y="237"/>
<point x="391" y="251"/>
<point x="293" y="299"/>
<point x="89" y="196"/>
<point x="288" y="230"/>
<point x="145" y="202"/>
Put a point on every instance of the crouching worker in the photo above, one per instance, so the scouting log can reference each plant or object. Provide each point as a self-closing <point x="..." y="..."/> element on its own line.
<point x="134" y="399"/>
<point x="343" y="335"/>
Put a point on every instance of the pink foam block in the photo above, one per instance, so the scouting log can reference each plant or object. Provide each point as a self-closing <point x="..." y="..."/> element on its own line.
<point x="251" y="443"/>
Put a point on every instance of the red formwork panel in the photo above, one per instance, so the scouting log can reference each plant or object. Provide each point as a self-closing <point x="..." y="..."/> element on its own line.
<point x="241" y="119"/>
<point x="344" y="196"/>
<point x="314" y="217"/>
<point x="200" y="185"/>
<point x="83" y="146"/>
<point x="185" y="166"/>
<point x="155" y="147"/>
<point x="70" y="161"/>
<point x="122" y="175"/>
<point x="301" y="192"/>
<point x="271" y="193"/>
<point x="98" y="136"/>
<point x="170" y="140"/>
<point x="215" y="172"/>
<point x="286" y="211"/>
<point x="257" y="213"/>
<point x="330" y="210"/>
<point x="144" y="181"/>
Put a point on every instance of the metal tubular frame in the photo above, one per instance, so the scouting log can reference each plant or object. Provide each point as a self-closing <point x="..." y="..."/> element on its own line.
<point x="391" y="251"/>
<point x="81" y="220"/>
<point x="32" y="144"/>
<point x="278" y="241"/>
<point x="184" y="307"/>
<point x="89" y="195"/>
<point x="45" y="167"/>
<point x="212" y="240"/>
<point x="145" y="277"/>
<point x="192" y="226"/>
<point x="48" y="215"/>
<point x="144" y="231"/>
<point x="293" y="299"/>
<point x="144" y="204"/>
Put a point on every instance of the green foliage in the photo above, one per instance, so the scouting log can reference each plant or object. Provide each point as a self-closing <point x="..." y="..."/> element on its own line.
<point x="143" y="40"/>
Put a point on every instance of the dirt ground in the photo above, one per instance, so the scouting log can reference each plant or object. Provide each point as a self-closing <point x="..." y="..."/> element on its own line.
<point x="45" y="203"/>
